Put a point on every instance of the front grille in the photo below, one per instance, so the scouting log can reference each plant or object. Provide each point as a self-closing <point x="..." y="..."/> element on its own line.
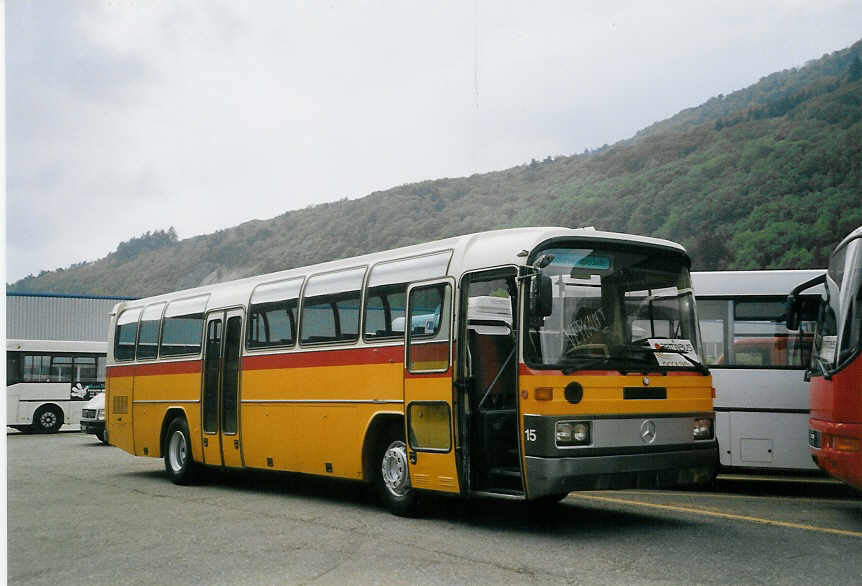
<point x="88" y="413"/>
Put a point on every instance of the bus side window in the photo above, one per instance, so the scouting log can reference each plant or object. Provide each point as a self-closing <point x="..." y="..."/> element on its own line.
<point x="126" y="335"/>
<point x="330" y="307"/>
<point x="272" y="324"/>
<point x="272" y="314"/>
<point x="181" y="334"/>
<point x="13" y="368"/>
<point x="183" y="327"/>
<point x="384" y="312"/>
<point x="148" y="333"/>
<point x="36" y="368"/>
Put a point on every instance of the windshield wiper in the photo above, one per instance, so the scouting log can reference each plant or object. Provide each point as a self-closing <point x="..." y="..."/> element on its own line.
<point x="587" y="364"/>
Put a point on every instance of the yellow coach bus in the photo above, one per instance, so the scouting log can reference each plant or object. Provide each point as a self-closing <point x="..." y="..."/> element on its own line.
<point x="520" y="363"/>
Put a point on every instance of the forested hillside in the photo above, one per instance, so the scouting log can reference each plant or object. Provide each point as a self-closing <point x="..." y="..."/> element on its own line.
<point x="766" y="177"/>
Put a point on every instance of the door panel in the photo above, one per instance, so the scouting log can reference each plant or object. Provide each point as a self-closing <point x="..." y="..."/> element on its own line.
<point x="230" y="439"/>
<point x="428" y="387"/>
<point x="210" y="394"/>
<point x="220" y="394"/>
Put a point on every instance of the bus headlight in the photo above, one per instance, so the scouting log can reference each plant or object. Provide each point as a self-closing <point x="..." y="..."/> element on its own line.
<point x="702" y="429"/>
<point x="100" y="413"/>
<point x="573" y="433"/>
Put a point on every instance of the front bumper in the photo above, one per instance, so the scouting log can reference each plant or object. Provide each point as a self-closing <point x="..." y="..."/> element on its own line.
<point x="554" y="476"/>
<point x="842" y="464"/>
<point x="94" y="426"/>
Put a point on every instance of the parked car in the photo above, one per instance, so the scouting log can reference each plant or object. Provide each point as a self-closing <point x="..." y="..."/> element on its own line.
<point x="93" y="418"/>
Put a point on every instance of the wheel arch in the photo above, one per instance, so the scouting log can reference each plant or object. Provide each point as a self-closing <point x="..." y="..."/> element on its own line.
<point x="380" y="425"/>
<point x="170" y="415"/>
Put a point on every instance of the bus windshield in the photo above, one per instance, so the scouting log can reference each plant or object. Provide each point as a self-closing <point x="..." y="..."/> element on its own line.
<point x="835" y="345"/>
<point x="612" y="308"/>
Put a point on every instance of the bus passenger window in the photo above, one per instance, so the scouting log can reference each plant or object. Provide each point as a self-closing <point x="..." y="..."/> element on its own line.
<point x="330" y="307"/>
<point x="182" y="335"/>
<point x="148" y="334"/>
<point x="183" y="327"/>
<point x="126" y="334"/>
<point x="61" y="369"/>
<point x="761" y="338"/>
<point x="272" y="314"/>
<point x="384" y="312"/>
<point x="36" y="368"/>
<point x="13" y="368"/>
<point x="712" y="314"/>
<point x="272" y="324"/>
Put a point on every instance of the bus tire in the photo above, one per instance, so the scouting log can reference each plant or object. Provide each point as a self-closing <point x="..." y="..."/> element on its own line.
<point x="103" y="436"/>
<point x="393" y="478"/>
<point x="179" y="464"/>
<point x="47" y="419"/>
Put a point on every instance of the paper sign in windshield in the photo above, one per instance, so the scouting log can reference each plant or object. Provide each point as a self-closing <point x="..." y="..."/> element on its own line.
<point x="675" y="345"/>
<point x="828" y="345"/>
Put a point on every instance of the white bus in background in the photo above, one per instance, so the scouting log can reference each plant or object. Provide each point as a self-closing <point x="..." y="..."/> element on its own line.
<point x="49" y="381"/>
<point x="758" y="366"/>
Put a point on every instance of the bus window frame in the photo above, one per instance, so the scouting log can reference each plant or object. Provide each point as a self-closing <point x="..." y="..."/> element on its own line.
<point x="249" y="306"/>
<point x="161" y="319"/>
<point x="729" y="335"/>
<point x="334" y="297"/>
<point x="414" y="277"/>
<point x="203" y="313"/>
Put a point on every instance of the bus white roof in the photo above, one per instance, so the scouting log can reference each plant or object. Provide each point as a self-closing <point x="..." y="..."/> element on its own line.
<point x="57" y="346"/>
<point x="470" y="252"/>
<point x="732" y="283"/>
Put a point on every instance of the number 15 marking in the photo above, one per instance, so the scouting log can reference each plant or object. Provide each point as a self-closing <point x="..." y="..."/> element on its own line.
<point x="530" y="434"/>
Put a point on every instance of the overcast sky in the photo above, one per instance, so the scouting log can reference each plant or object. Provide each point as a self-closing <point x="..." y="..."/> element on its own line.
<point x="128" y="116"/>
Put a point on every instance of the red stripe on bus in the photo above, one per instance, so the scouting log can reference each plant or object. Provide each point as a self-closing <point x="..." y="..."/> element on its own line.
<point x="156" y="368"/>
<point x="350" y="357"/>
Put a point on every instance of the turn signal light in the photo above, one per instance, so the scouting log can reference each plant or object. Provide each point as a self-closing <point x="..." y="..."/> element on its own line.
<point x="544" y="393"/>
<point x="845" y="444"/>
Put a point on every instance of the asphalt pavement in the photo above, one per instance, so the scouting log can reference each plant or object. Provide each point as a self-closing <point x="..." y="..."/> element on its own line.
<point x="80" y="512"/>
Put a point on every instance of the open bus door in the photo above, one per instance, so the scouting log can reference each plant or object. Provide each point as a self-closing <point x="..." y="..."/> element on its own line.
<point x="428" y="387"/>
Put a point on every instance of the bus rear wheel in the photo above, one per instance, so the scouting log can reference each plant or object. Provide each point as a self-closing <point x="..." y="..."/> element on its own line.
<point x="393" y="478"/>
<point x="47" y="419"/>
<point x="179" y="464"/>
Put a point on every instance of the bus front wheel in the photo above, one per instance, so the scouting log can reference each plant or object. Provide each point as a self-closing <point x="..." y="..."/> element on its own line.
<point x="47" y="419"/>
<point x="393" y="478"/>
<point x="178" y="453"/>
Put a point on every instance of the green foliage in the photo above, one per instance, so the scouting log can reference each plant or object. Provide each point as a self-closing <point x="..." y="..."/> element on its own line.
<point x="133" y="247"/>
<point x="766" y="177"/>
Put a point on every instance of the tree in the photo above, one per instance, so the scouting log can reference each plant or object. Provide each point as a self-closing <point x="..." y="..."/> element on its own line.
<point x="855" y="70"/>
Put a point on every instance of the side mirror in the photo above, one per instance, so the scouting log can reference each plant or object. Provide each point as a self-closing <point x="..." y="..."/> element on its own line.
<point x="791" y="312"/>
<point x="542" y="296"/>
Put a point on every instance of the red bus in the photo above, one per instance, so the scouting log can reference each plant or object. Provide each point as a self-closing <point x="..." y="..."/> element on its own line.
<point x="835" y="373"/>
